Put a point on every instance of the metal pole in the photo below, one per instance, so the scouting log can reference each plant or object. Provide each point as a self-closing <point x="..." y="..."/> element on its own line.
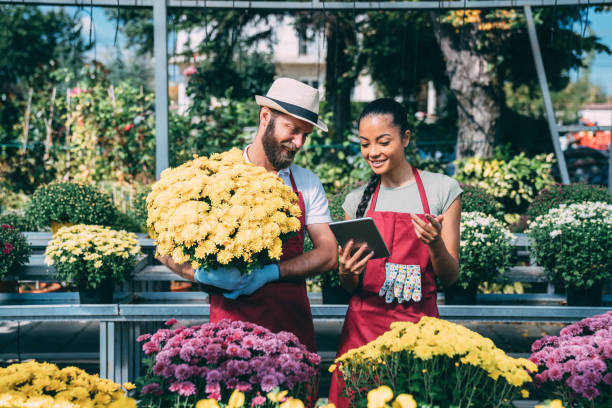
<point x="550" y="113"/>
<point x="321" y="5"/>
<point x="160" y="39"/>
<point x="610" y="168"/>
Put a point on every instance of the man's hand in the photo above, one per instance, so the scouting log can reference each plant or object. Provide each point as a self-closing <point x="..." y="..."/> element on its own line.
<point x="255" y="280"/>
<point x="184" y="270"/>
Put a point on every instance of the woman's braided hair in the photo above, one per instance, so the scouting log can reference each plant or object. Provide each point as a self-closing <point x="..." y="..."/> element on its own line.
<point x="382" y="106"/>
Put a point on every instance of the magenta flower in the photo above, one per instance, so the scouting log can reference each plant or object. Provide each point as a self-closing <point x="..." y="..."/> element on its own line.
<point x="183" y="372"/>
<point x="171" y="322"/>
<point x="211" y="360"/>
<point x="153" y="389"/>
<point x="579" y="358"/>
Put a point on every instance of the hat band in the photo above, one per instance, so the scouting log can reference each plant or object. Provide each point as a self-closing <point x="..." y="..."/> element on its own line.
<point x="297" y="110"/>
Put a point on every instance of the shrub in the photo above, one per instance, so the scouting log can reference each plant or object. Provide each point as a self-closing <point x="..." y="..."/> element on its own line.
<point x="513" y="182"/>
<point x="71" y="202"/>
<point x="555" y="195"/>
<point x="577" y="364"/>
<point x="486" y="246"/>
<point x="440" y="363"/>
<point x="44" y="385"/>
<point x="574" y="243"/>
<point x="476" y="199"/>
<point x="89" y="254"/>
<point x="14" y="250"/>
<point x="215" y="359"/>
<point x="19" y="221"/>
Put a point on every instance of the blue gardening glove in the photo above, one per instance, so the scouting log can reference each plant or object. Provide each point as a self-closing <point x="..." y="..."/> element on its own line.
<point x="255" y="280"/>
<point x="224" y="278"/>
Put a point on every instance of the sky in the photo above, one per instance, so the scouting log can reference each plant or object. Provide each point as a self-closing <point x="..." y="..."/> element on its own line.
<point x="104" y="34"/>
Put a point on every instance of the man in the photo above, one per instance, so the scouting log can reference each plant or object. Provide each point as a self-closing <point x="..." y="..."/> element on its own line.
<point x="275" y="296"/>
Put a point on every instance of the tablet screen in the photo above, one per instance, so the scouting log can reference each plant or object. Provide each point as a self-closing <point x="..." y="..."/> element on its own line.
<point x="360" y="230"/>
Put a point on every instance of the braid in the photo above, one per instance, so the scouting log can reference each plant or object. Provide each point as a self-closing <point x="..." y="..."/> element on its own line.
<point x="367" y="194"/>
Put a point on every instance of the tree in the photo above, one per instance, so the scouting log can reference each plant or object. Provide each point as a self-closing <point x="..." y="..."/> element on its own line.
<point x="37" y="43"/>
<point x="478" y="55"/>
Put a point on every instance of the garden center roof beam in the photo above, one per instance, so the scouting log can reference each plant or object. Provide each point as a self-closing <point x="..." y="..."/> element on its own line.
<point x="320" y="5"/>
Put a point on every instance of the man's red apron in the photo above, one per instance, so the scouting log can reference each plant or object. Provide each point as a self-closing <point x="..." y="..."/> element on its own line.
<point x="278" y="306"/>
<point x="368" y="315"/>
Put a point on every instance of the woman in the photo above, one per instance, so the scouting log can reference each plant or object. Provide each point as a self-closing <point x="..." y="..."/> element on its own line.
<point x="417" y="213"/>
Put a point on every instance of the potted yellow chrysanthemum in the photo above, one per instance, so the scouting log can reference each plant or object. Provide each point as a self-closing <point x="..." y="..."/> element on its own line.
<point x="221" y="211"/>
<point x="43" y="385"/>
<point x="95" y="258"/>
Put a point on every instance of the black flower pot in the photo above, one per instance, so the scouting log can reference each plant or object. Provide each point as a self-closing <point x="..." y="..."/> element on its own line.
<point x="334" y="295"/>
<point x="457" y="295"/>
<point x="103" y="294"/>
<point x="584" y="296"/>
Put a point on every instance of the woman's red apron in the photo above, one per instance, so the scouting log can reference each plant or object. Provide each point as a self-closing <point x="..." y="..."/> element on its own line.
<point x="368" y="315"/>
<point x="278" y="306"/>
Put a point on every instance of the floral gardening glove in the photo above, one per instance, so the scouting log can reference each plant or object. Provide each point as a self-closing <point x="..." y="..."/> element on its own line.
<point x="403" y="282"/>
<point x="255" y="280"/>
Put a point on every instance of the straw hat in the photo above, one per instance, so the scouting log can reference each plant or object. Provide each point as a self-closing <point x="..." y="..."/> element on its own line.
<point x="293" y="98"/>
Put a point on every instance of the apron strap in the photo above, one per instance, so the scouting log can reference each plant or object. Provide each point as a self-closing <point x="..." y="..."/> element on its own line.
<point x="422" y="194"/>
<point x="293" y="185"/>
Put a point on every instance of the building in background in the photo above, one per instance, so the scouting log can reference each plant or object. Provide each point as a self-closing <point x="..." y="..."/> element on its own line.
<point x="298" y="56"/>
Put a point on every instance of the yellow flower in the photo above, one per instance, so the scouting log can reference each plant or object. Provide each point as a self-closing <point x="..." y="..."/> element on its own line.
<point x="128" y="386"/>
<point x="277" y="396"/>
<point x="332" y="368"/>
<point x="236" y="400"/>
<point x="378" y="397"/>
<point x="207" y="403"/>
<point x="524" y="393"/>
<point x="404" y="401"/>
<point x="292" y="403"/>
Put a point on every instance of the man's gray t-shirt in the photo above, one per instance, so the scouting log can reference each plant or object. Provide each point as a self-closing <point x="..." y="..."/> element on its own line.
<point x="440" y="189"/>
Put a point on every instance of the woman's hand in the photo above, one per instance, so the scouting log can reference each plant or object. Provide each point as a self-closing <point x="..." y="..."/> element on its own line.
<point x="351" y="261"/>
<point x="428" y="231"/>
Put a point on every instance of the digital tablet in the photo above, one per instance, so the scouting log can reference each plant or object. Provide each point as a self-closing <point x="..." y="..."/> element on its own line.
<point x="360" y="230"/>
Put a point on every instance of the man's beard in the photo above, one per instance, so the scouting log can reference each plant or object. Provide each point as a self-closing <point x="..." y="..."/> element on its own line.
<point x="275" y="151"/>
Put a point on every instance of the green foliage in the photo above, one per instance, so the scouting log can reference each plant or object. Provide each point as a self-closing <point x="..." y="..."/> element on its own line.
<point x="513" y="182"/>
<point x="38" y="42"/>
<point x="236" y="80"/>
<point x="217" y="129"/>
<point x="14" y="250"/>
<point x="555" y="195"/>
<point x="139" y="208"/>
<point x="574" y="243"/>
<point x="486" y="247"/>
<point x="336" y="165"/>
<point x="71" y="202"/>
<point x="476" y="199"/>
<point x="19" y="220"/>
<point x="88" y="255"/>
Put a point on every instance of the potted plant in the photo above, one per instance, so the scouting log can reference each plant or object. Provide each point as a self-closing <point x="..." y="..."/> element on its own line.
<point x="555" y="195"/>
<point x="94" y="258"/>
<point x="486" y="246"/>
<point x="61" y="203"/>
<point x="574" y="244"/>
<point x="214" y="360"/>
<point x="34" y="384"/>
<point x="439" y="363"/>
<point x="14" y="253"/>
<point x="576" y="365"/>
<point x="476" y="199"/>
